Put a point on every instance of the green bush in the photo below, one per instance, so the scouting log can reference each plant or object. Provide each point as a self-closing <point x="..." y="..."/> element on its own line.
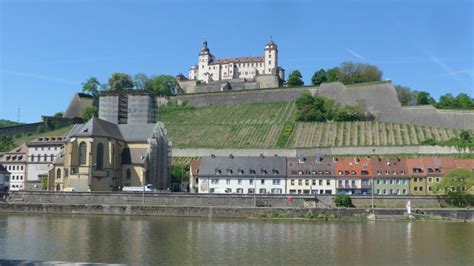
<point x="343" y="201"/>
<point x="285" y="133"/>
<point x="459" y="199"/>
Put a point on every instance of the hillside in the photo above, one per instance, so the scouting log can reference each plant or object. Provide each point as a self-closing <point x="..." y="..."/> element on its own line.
<point x="57" y="132"/>
<point x="261" y="125"/>
<point x="7" y="123"/>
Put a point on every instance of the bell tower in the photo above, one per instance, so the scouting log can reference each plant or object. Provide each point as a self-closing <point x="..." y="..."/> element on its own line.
<point x="271" y="57"/>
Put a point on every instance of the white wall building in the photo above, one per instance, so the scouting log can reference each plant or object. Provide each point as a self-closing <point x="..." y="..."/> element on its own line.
<point x="14" y="162"/>
<point x="312" y="175"/>
<point x="242" y="175"/>
<point x="211" y="69"/>
<point x="41" y="154"/>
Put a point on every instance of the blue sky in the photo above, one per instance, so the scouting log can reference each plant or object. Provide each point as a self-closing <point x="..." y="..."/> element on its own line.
<point x="47" y="48"/>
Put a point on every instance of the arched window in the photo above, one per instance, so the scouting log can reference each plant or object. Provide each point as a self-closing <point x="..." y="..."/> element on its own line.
<point x="58" y="173"/>
<point x="129" y="174"/>
<point x="100" y="156"/>
<point x="52" y="158"/>
<point x="82" y="153"/>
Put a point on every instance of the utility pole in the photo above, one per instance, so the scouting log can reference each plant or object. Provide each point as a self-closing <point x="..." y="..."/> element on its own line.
<point x="372" y="194"/>
<point x="18" y="118"/>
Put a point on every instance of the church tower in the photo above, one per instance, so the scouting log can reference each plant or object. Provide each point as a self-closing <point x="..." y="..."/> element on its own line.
<point x="271" y="57"/>
<point x="205" y="57"/>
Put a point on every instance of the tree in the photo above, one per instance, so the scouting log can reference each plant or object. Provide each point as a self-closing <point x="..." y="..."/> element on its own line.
<point x="6" y="143"/>
<point x="406" y="95"/>
<point x="119" y="82"/>
<point x="319" y="77"/>
<point x="295" y="79"/>
<point x="89" y="112"/>
<point x="331" y="74"/>
<point x="424" y="98"/>
<point x="58" y="114"/>
<point x="350" y="73"/>
<point x="457" y="184"/>
<point x="164" y="85"/>
<point x="343" y="201"/>
<point x="304" y="99"/>
<point x="141" y="82"/>
<point x="465" y="136"/>
<point x="91" y="87"/>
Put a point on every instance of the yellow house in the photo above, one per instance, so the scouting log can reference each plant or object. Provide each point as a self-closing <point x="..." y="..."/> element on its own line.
<point x="102" y="156"/>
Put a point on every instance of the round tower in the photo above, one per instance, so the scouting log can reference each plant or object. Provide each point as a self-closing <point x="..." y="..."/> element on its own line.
<point x="271" y="57"/>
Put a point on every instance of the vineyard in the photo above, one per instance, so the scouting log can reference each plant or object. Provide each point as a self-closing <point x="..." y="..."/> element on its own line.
<point x="273" y="125"/>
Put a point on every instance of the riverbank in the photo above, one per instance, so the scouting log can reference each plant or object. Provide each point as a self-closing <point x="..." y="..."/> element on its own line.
<point x="239" y="212"/>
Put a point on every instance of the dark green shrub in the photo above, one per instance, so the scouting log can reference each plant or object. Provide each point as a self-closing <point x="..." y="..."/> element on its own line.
<point x="343" y="201"/>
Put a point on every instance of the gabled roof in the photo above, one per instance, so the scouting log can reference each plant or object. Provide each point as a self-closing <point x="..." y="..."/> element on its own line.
<point x="388" y="165"/>
<point x="311" y="163"/>
<point x="251" y="166"/>
<point x="464" y="164"/>
<point x="357" y="164"/>
<point x="97" y="127"/>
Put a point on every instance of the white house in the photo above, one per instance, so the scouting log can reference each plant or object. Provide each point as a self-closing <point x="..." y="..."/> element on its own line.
<point x="14" y="162"/>
<point x="42" y="152"/>
<point x="242" y="175"/>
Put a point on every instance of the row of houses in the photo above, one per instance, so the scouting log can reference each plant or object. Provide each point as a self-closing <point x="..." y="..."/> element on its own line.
<point x="321" y="175"/>
<point x="28" y="165"/>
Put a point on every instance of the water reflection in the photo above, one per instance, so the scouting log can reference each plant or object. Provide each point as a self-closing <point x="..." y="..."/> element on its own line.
<point x="184" y="241"/>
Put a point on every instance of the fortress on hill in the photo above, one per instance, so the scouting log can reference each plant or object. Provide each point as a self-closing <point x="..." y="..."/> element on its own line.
<point x="241" y="73"/>
<point x="259" y="80"/>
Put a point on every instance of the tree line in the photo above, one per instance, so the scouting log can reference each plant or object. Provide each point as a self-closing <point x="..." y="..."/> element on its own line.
<point x="347" y="73"/>
<point x="411" y="97"/>
<point x="164" y="85"/>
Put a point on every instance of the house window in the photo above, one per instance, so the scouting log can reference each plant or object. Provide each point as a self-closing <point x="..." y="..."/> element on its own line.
<point x="250" y="191"/>
<point x="100" y="156"/>
<point x="215" y="181"/>
<point x="240" y="191"/>
<point x="228" y="181"/>
<point x="263" y="191"/>
<point x="306" y="182"/>
<point x="328" y="182"/>
<point x="300" y="182"/>
<point x="320" y="182"/>
<point x="128" y="174"/>
<point x="58" y="173"/>
<point x="82" y="153"/>
<point x="314" y="182"/>
<point x="262" y="181"/>
<point x="292" y="182"/>
<point x="239" y="181"/>
<point x="276" y="181"/>
<point x="250" y="181"/>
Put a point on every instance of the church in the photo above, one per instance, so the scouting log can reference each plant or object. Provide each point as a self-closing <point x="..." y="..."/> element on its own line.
<point x="240" y="73"/>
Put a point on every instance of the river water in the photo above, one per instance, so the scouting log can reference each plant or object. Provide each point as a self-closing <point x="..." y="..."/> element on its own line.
<point x="183" y="241"/>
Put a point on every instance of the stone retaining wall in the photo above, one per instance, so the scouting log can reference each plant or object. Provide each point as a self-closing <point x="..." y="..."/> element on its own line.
<point x="227" y="212"/>
<point x="216" y="200"/>
<point x="374" y="150"/>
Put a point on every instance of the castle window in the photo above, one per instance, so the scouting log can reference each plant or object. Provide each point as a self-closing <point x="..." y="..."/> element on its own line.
<point x="269" y="62"/>
<point x="82" y="153"/>
<point x="269" y="56"/>
<point x="100" y="156"/>
<point x="129" y="174"/>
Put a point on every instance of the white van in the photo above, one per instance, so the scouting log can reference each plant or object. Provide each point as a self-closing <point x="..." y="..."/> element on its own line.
<point x="147" y="188"/>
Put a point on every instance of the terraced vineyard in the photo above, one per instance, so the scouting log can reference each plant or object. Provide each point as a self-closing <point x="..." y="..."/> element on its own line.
<point x="371" y="133"/>
<point x="239" y="126"/>
<point x="260" y="126"/>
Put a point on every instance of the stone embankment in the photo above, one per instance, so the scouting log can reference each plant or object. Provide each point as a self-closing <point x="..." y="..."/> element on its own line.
<point x="229" y="206"/>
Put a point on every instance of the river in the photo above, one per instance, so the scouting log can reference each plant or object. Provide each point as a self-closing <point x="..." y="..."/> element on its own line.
<point x="143" y="240"/>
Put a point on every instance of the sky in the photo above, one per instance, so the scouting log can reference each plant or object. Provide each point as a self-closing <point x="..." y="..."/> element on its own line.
<point x="49" y="47"/>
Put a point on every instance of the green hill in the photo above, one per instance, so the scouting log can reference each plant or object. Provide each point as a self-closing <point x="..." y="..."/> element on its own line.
<point x="261" y="125"/>
<point x="7" y="123"/>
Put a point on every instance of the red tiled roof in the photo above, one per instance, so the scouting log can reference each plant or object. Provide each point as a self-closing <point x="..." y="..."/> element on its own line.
<point x="350" y="164"/>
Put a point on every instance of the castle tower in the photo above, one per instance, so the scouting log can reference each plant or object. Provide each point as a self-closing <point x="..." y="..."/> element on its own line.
<point x="205" y="57"/>
<point x="271" y="57"/>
